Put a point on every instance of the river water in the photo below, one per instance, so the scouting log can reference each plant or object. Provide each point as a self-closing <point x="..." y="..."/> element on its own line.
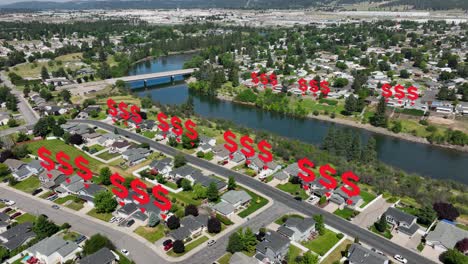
<point x="412" y="157"/>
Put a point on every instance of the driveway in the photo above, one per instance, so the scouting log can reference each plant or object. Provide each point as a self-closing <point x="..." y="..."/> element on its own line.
<point x="372" y="213"/>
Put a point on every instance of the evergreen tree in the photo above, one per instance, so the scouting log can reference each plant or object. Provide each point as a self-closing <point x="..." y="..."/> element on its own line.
<point x="309" y="258"/>
<point x="381" y="225"/>
<point x="319" y="224"/>
<point x="380" y="119"/>
<point x="329" y="140"/>
<point x="232" y="183"/>
<point x="235" y="243"/>
<point x="212" y="192"/>
<point x="350" y="105"/>
<point x="153" y="220"/>
<point x="249" y="240"/>
<point x="355" y="151"/>
<point x="369" y="155"/>
<point x="44" y="73"/>
<point x="104" y="176"/>
<point x="269" y="63"/>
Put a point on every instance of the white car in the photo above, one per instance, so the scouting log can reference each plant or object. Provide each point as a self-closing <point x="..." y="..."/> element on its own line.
<point x="124" y="251"/>
<point x="400" y="259"/>
<point x="9" y="202"/>
<point x="211" y="242"/>
<point x="113" y="219"/>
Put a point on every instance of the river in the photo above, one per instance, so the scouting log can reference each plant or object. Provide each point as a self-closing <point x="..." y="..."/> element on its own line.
<point x="423" y="159"/>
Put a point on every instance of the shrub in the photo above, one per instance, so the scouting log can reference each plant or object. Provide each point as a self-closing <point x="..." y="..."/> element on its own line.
<point x="339" y="235"/>
<point x="316" y="113"/>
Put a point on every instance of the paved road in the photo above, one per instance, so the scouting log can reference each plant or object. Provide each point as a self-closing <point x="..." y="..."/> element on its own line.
<point x="278" y="196"/>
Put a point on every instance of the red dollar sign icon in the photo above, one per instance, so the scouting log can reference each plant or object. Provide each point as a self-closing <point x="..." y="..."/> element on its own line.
<point x="412" y="94"/>
<point x="324" y="88"/>
<point x="254" y="77"/>
<point x="264" y="79"/>
<point x="386" y="92"/>
<point x="273" y="79"/>
<point x="302" y="85"/>
<point x="399" y="92"/>
<point x="314" y="87"/>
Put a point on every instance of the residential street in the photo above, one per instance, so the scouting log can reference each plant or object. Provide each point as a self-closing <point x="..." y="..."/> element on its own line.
<point x="278" y="196"/>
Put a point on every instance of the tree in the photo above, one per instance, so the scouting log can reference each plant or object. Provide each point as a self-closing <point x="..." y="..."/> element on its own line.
<point x="191" y="210"/>
<point x="173" y="222"/>
<point x="232" y="185"/>
<point x="397" y="127"/>
<point x="199" y="192"/>
<point x="26" y="91"/>
<point x="453" y="256"/>
<point x="4" y="170"/>
<point x="309" y="258"/>
<point x="319" y="224"/>
<point x="104" y="176"/>
<point x="350" y="105"/>
<point x="66" y="95"/>
<point x="179" y="160"/>
<point x="41" y="128"/>
<point x="404" y="74"/>
<point x="322" y="200"/>
<point x="95" y="243"/>
<point x="146" y="102"/>
<point x="355" y="149"/>
<point x="57" y="131"/>
<point x="235" y="243"/>
<point x="380" y="119"/>
<point x="381" y="225"/>
<point x="153" y="220"/>
<point x="426" y="215"/>
<point x="187" y="142"/>
<point x="21" y="151"/>
<point x="369" y="155"/>
<point x="44" y="228"/>
<point x="462" y="245"/>
<point x="76" y="139"/>
<point x="214" y="225"/>
<point x="340" y="82"/>
<point x="446" y="211"/>
<point x="104" y="202"/>
<point x="12" y="123"/>
<point x="4" y="253"/>
<point x="178" y="246"/>
<point x="172" y="142"/>
<point x="212" y="192"/>
<point x="44" y="73"/>
<point x="249" y="240"/>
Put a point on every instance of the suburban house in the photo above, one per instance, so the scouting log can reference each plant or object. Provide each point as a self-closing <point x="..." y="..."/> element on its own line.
<point x="263" y="169"/>
<point x="358" y="254"/>
<point x="163" y="166"/>
<point x="207" y="140"/>
<point x="148" y="125"/>
<point x="136" y="155"/>
<point x="221" y="152"/>
<point x="190" y="227"/>
<point x="292" y="170"/>
<point x="57" y="178"/>
<point x="273" y="248"/>
<point x="340" y="198"/>
<point x="17" y="235"/>
<point x="241" y="258"/>
<point x="205" y="148"/>
<point x="91" y="138"/>
<point x="119" y="146"/>
<point x="108" y="139"/>
<point x="4" y="118"/>
<point x="35" y="167"/>
<point x="127" y="210"/>
<point x="281" y="176"/>
<point x="445" y="236"/>
<point x="404" y="222"/>
<point x="297" y="229"/>
<point x="53" y="250"/>
<point x="205" y="181"/>
<point x="18" y="169"/>
<point x="102" y="256"/>
<point x="231" y="202"/>
<point x="237" y="157"/>
<point x="195" y="176"/>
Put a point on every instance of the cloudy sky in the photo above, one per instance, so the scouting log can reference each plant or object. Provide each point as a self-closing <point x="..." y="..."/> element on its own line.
<point x="13" y="1"/>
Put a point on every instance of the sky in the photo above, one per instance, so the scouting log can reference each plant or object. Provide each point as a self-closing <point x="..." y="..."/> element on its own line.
<point x="14" y="1"/>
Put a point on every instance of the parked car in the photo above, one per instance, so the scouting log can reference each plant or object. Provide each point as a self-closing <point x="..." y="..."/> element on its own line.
<point x="80" y="239"/>
<point x="55" y="206"/>
<point x="298" y="198"/>
<point x="13" y="216"/>
<point x="125" y="252"/>
<point x="377" y="251"/>
<point x="7" y="210"/>
<point x="9" y="202"/>
<point x="400" y="259"/>
<point x="113" y="219"/>
<point x="130" y="223"/>
<point x="167" y="241"/>
<point x="36" y="191"/>
<point x="211" y="242"/>
<point x="168" y="246"/>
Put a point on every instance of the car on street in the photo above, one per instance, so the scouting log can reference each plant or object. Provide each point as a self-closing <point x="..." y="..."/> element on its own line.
<point x="113" y="219"/>
<point x="55" y="206"/>
<point x="168" y="246"/>
<point x="13" y="216"/>
<point x="298" y="198"/>
<point x="130" y="223"/>
<point x="377" y="251"/>
<point x="124" y="251"/>
<point x="37" y="191"/>
<point x="8" y="202"/>
<point x="400" y="259"/>
<point x="211" y="242"/>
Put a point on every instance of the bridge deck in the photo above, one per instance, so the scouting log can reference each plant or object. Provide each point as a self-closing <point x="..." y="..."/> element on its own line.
<point x="151" y="75"/>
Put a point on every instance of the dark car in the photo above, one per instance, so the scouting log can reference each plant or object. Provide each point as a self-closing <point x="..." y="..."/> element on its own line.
<point x="37" y="191"/>
<point x="167" y="242"/>
<point x="130" y="223"/>
<point x="80" y="239"/>
<point x="168" y="246"/>
<point x="298" y="198"/>
<point x="7" y="210"/>
<point x="13" y="216"/>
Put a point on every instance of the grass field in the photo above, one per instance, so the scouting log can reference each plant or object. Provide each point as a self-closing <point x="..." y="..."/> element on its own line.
<point x="345" y="213"/>
<point x="293" y="253"/>
<point x="337" y="254"/>
<point x="367" y="197"/>
<point x="193" y="244"/>
<point x="149" y="134"/>
<point x="70" y="236"/>
<point x="256" y="203"/>
<point x="56" y="145"/>
<point x="293" y="189"/>
<point x="34" y="69"/>
<point x="385" y="234"/>
<point x="26" y="218"/>
<point x="107" y="156"/>
<point x="28" y="185"/>
<point x="225" y="258"/>
<point x="104" y="217"/>
<point x="283" y="218"/>
<point x="152" y="234"/>
<point x="72" y="205"/>
<point x="322" y="244"/>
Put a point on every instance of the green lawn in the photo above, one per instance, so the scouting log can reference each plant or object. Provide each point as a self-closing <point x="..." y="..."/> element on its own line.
<point x="293" y="189"/>
<point x="56" y="145"/>
<point x="367" y="197"/>
<point x="386" y="234"/>
<point x="45" y="195"/>
<point x="336" y="254"/>
<point x="75" y="205"/>
<point x="2" y="205"/>
<point x="62" y="200"/>
<point x="102" y="132"/>
<point x="123" y="259"/>
<point x="28" y="185"/>
<point x="25" y="218"/>
<point x="209" y="156"/>
<point x="70" y="236"/>
<point x="97" y="147"/>
<point x="462" y="226"/>
<point x="171" y="185"/>
<point x="185" y="197"/>
<point x="193" y="244"/>
<point x="283" y="219"/>
<point x="225" y="258"/>
<point x="293" y="253"/>
<point x="256" y="203"/>
<point x="322" y="244"/>
<point x="107" y="156"/>
<point x="103" y="216"/>
<point x="149" y="134"/>
<point x="346" y="213"/>
<point x="152" y="234"/>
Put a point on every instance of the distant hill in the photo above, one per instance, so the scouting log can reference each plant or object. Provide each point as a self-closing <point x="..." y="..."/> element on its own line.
<point x="248" y="4"/>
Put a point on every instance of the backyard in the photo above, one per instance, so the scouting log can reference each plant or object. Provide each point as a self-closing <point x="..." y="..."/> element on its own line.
<point x="191" y="245"/>
<point x="367" y="197"/>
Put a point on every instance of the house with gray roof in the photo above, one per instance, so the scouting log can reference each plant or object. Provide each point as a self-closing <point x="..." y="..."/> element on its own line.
<point x="163" y="166"/>
<point x="221" y="152"/>
<point x="35" y="166"/>
<point x="193" y="225"/>
<point x="281" y="176"/>
<point x="292" y="169"/>
<point x="231" y="202"/>
<point x="358" y="254"/>
<point x="136" y="155"/>
<point x="127" y="210"/>
<point x="445" y="236"/>
<point x="273" y="248"/>
<point x="102" y="256"/>
<point x="53" y="250"/>
<point x="241" y="258"/>
<point x="404" y="222"/>
<point x="224" y="208"/>
<point x="181" y="233"/>
<point x="17" y="235"/>
<point x="205" y="181"/>
<point x="237" y="157"/>
<point x="190" y="226"/>
<point x="297" y="229"/>
<point x="50" y="183"/>
<point x="119" y="146"/>
<point x="4" y="225"/>
<point x="108" y="139"/>
<point x="18" y="169"/>
<point x="340" y="198"/>
<point x="4" y="118"/>
<point x="263" y="169"/>
<point x="205" y="148"/>
<point x="91" y="138"/>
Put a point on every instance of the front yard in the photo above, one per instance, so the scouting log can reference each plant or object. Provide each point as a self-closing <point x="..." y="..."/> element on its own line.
<point x="152" y="234"/>
<point x="321" y="244"/>
<point x="26" y="218"/>
<point x="101" y="216"/>
<point x="256" y="203"/>
<point x="346" y="213"/>
<point x="28" y="185"/>
<point x="293" y="189"/>
<point x="193" y="244"/>
<point x="337" y="254"/>
<point x="367" y="197"/>
<point x="386" y="234"/>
